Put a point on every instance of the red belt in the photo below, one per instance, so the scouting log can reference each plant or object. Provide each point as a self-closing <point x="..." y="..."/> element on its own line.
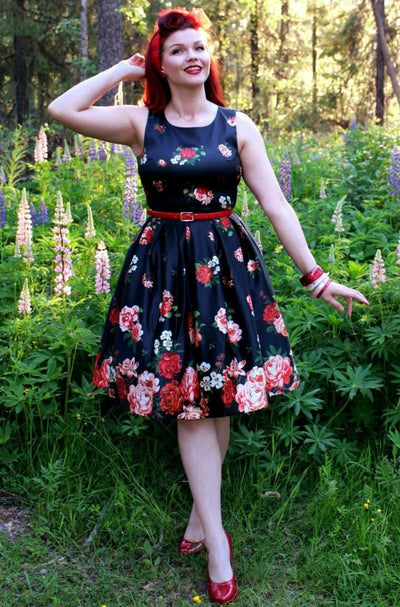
<point x="189" y="215"/>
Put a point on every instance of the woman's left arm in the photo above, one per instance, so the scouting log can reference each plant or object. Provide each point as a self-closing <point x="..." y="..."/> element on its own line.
<point x="261" y="179"/>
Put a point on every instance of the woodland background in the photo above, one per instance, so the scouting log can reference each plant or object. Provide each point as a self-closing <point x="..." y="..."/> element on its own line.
<point x="290" y="63"/>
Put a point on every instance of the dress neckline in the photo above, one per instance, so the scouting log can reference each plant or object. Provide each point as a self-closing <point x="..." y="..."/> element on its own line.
<point x="203" y="126"/>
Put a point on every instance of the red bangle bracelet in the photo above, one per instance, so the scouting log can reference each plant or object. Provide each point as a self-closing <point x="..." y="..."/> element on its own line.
<point x="326" y="285"/>
<point x="311" y="276"/>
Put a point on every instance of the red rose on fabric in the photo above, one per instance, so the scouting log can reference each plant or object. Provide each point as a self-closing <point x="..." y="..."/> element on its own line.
<point x="140" y="399"/>
<point x="225" y="222"/>
<point x="204" y="274"/>
<point x="188" y="153"/>
<point x="147" y="235"/>
<point x="113" y="317"/>
<point x="228" y="392"/>
<point x="122" y="388"/>
<point x="169" y="365"/>
<point x="101" y="375"/>
<point x="170" y="398"/>
<point x="251" y="396"/>
<point x="270" y="312"/>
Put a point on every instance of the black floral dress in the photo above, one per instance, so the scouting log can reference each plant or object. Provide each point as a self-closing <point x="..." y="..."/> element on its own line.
<point x="193" y="328"/>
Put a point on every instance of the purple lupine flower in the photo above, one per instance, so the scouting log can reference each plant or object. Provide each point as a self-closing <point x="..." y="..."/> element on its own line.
<point x="93" y="150"/>
<point x="34" y="215"/>
<point x="24" y="301"/>
<point x="394" y="172"/>
<point x="62" y="259"/>
<point x="90" y="229"/>
<point x="353" y="125"/>
<point x="102" y="154"/>
<point x="132" y="208"/>
<point x="102" y="265"/>
<point x="337" y="216"/>
<point x="24" y="230"/>
<point x="3" y="220"/>
<point x="40" y="152"/>
<point x="77" y="145"/>
<point x="43" y="216"/>
<point x="378" y="271"/>
<point x="285" y="177"/>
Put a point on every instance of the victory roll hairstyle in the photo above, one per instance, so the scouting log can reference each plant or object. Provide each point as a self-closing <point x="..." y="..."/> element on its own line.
<point x="156" y="90"/>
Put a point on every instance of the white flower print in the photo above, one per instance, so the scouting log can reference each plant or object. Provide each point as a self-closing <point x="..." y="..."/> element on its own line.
<point x="217" y="380"/>
<point x="133" y="264"/>
<point x="224" y="201"/>
<point x="156" y="346"/>
<point x="206" y="383"/>
<point x="166" y="339"/>
<point x="204" y="367"/>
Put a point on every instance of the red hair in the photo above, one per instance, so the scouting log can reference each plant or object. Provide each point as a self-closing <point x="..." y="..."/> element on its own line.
<point x="156" y="89"/>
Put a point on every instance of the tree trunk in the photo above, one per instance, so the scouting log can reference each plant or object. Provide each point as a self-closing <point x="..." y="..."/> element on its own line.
<point x="110" y="43"/>
<point x="385" y="49"/>
<point x="283" y="56"/>
<point x="84" y="38"/>
<point x="314" y="69"/>
<point x="22" y="54"/>
<point x="254" y="49"/>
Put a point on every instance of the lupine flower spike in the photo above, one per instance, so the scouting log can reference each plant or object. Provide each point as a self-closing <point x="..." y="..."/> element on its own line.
<point x="3" y="220"/>
<point x="34" y="215"/>
<point x="103" y="154"/>
<point x="132" y="208"/>
<point x="24" y="302"/>
<point x="331" y="257"/>
<point x="93" y="150"/>
<point x="257" y="238"/>
<point x="24" y="230"/>
<point x="394" y="172"/>
<point x="90" y="229"/>
<point x="322" y="191"/>
<point x="40" y="152"/>
<point x="337" y="217"/>
<point x="398" y="252"/>
<point x="102" y="265"/>
<point x="77" y="145"/>
<point x="62" y="260"/>
<point x="245" y="205"/>
<point x="67" y="154"/>
<point x="378" y="271"/>
<point x="68" y="214"/>
<point x="285" y="177"/>
<point x="43" y="213"/>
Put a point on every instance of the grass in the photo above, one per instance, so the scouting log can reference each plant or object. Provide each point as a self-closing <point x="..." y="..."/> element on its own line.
<point x="331" y="539"/>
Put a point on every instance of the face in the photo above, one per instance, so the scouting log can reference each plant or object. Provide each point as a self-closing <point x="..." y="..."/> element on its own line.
<point x="185" y="58"/>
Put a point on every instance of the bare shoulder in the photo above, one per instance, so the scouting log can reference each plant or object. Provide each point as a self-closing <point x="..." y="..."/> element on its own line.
<point x="247" y="132"/>
<point x="138" y="116"/>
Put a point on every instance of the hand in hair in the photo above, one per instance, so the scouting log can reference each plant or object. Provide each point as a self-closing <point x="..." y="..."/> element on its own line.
<point x="136" y="65"/>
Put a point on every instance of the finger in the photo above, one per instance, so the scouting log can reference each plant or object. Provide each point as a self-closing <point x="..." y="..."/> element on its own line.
<point x="349" y="306"/>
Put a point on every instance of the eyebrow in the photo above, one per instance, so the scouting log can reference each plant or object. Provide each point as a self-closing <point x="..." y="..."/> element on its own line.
<point x="182" y="44"/>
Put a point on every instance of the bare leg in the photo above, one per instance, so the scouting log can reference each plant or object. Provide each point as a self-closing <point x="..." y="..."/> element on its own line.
<point x="200" y="444"/>
<point x="194" y="530"/>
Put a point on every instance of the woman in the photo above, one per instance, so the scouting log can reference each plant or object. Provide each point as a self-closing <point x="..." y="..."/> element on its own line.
<point x="193" y="331"/>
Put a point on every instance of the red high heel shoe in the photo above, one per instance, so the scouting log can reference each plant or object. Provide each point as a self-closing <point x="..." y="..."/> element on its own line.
<point x="187" y="547"/>
<point x="224" y="593"/>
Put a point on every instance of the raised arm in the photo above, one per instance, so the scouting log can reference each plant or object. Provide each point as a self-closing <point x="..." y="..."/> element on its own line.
<point x="260" y="177"/>
<point x="120" y="124"/>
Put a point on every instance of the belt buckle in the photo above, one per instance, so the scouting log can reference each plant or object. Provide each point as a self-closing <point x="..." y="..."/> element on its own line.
<point x="186" y="216"/>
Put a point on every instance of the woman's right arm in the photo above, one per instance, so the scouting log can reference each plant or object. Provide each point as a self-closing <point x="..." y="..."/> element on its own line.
<point x="119" y="124"/>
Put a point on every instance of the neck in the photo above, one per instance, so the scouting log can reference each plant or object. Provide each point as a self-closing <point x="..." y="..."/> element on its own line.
<point x="189" y="107"/>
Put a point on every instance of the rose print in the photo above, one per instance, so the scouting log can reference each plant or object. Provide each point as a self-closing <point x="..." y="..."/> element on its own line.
<point x="169" y="365"/>
<point x="127" y="367"/>
<point x="190" y="385"/>
<point x="203" y="195"/>
<point x="147" y="235"/>
<point x="234" y="332"/>
<point x="101" y="375"/>
<point x="270" y="312"/>
<point x="140" y="399"/>
<point x="252" y="265"/>
<point x="280" y="325"/>
<point x="238" y="254"/>
<point x="228" y="392"/>
<point x="278" y="371"/>
<point x="188" y="155"/>
<point x="170" y="398"/>
<point x="204" y="274"/>
<point x="190" y="412"/>
<point x="114" y="316"/>
<point x="251" y="396"/>
<point x="221" y="320"/>
<point x="225" y="150"/>
<point x="166" y="305"/>
<point x="128" y="317"/>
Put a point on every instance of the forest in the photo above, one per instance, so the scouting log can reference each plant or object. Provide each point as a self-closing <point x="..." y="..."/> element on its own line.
<point x="292" y="64"/>
<point x="92" y="499"/>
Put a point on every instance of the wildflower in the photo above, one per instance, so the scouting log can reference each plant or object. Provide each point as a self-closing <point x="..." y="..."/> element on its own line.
<point x="378" y="271"/>
<point x="285" y="177"/>
<point x="102" y="265"/>
<point x="93" y="150"/>
<point x="132" y="208"/>
<point x="3" y="178"/>
<point x="34" y="215"/>
<point x="379" y="510"/>
<point x="257" y="238"/>
<point x="62" y="260"/>
<point x="337" y="216"/>
<point x="353" y="125"/>
<point x="24" y="302"/>
<point x="322" y="191"/>
<point x="58" y="159"/>
<point x="331" y="257"/>
<point x="197" y="599"/>
<point x="394" y="172"/>
<point x="66" y="154"/>
<point x="245" y="205"/>
<point x="68" y="214"/>
<point x="90" y="229"/>
<point x="40" y="152"/>
<point x="372" y="519"/>
<point x="366" y="504"/>
<point x="77" y="144"/>
<point x="24" y="229"/>
<point x="398" y="252"/>
<point x="102" y="153"/>
<point x="3" y="221"/>
<point x="43" y="216"/>
<point x="296" y="159"/>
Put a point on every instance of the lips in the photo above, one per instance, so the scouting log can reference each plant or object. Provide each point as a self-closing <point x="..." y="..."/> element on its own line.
<point x="193" y="69"/>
